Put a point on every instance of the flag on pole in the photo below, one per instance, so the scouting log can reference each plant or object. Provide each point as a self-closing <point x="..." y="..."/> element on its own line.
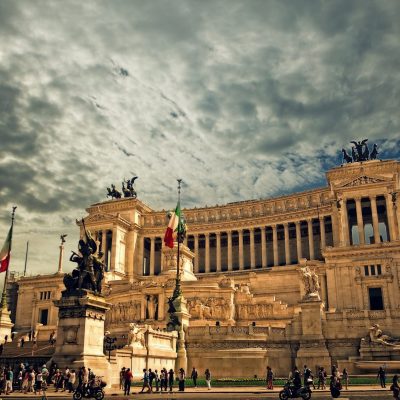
<point x="172" y="230"/>
<point x="6" y="252"/>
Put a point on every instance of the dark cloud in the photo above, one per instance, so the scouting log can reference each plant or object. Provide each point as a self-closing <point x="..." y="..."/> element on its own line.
<point x="216" y="92"/>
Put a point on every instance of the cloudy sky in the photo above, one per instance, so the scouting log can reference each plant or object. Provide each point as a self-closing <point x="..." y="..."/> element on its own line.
<point x="242" y="99"/>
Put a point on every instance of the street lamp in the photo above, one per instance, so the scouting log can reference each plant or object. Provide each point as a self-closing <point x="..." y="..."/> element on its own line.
<point x="109" y="344"/>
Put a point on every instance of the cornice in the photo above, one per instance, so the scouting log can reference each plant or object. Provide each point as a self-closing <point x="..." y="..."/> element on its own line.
<point x="362" y="252"/>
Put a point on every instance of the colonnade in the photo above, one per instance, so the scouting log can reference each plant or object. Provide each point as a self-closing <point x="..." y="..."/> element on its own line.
<point x="372" y="215"/>
<point x="229" y="246"/>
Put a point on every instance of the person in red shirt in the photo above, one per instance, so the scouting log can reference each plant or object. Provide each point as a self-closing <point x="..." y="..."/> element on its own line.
<point x="127" y="382"/>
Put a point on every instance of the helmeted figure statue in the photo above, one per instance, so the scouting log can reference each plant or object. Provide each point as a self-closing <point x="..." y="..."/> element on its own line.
<point x="89" y="273"/>
<point x="360" y="152"/>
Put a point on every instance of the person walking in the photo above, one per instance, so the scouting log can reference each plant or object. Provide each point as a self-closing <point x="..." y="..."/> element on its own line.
<point x="9" y="380"/>
<point x="146" y="384"/>
<point x="163" y="380"/>
<point x="157" y="380"/>
<point x="382" y="377"/>
<point x="269" y="378"/>
<point x="127" y="381"/>
<point x="322" y="378"/>
<point x="207" y="374"/>
<point x="345" y="379"/>
<point x="171" y="379"/>
<point x="194" y="377"/>
<point x="395" y="388"/>
<point x="71" y="381"/>
<point x="151" y="379"/>
<point x="181" y="378"/>
<point x="121" y="378"/>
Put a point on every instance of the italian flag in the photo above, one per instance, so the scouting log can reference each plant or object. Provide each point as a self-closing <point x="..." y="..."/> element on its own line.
<point x="6" y="252"/>
<point x="172" y="229"/>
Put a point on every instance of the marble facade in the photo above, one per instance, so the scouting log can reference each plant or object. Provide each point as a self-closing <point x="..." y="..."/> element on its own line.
<point x="245" y="295"/>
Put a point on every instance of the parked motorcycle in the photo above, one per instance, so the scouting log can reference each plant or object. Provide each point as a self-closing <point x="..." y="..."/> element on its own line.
<point x="89" y="392"/>
<point x="290" y="392"/>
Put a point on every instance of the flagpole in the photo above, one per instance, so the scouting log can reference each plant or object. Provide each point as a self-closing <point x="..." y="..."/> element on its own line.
<point x="4" y="295"/>
<point x="26" y="256"/>
<point x="178" y="277"/>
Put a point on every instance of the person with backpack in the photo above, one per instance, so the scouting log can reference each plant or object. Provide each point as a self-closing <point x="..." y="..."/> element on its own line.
<point x="146" y="383"/>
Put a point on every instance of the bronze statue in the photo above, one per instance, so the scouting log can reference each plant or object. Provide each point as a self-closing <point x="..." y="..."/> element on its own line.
<point x="360" y="152"/>
<point x="127" y="191"/>
<point x="89" y="273"/>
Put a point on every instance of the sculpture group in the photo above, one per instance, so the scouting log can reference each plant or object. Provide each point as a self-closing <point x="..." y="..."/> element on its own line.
<point x="360" y="152"/>
<point x="89" y="273"/>
<point x="126" y="191"/>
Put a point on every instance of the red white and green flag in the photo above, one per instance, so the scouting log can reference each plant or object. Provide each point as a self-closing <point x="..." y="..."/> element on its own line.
<point x="172" y="230"/>
<point x="5" y="252"/>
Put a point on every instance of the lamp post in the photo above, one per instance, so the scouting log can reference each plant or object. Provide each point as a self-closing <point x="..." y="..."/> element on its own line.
<point x="109" y="344"/>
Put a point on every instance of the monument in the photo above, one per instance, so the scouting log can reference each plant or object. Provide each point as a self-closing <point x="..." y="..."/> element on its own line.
<point x="82" y="309"/>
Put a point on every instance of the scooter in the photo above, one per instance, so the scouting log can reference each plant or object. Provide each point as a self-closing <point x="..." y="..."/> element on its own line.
<point x="290" y="392"/>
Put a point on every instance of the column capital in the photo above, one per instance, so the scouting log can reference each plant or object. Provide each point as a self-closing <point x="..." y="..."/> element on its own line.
<point x="273" y="226"/>
<point x="321" y="217"/>
<point x="207" y="234"/>
<point x="218" y="234"/>
<point x="309" y="220"/>
<point x="285" y="224"/>
<point x="251" y="229"/>
<point x="297" y="223"/>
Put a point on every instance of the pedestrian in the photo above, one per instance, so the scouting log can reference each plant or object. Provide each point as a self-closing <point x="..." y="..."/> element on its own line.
<point x="145" y="381"/>
<point x="194" y="376"/>
<point x="127" y="381"/>
<point x="165" y="379"/>
<point x="39" y="382"/>
<point x="121" y="378"/>
<point x="9" y="380"/>
<point x="151" y="379"/>
<point x="1" y="348"/>
<point x="171" y="379"/>
<point x="71" y="381"/>
<point x="335" y="386"/>
<point x="6" y="339"/>
<point x="307" y="376"/>
<point x="30" y="335"/>
<point x="395" y="388"/>
<point x="322" y="378"/>
<point x="181" y="378"/>
<point x="207" y="375"/>
<point x="162" y="379"/>
<point x="22" y="342"/>
<point x="296" y="378"/>
<point x="12" y="336"/>
<point x="382" y="377"/>
<point x="157" y="380"/>
<point x="345" y="378"/>
<point x="270" y="377"/>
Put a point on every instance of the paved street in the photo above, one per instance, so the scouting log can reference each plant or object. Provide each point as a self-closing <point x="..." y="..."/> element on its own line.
<point x="225" y="393"/>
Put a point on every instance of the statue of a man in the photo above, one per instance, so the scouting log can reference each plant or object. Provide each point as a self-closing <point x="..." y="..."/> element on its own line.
<point x="310" y="281"/>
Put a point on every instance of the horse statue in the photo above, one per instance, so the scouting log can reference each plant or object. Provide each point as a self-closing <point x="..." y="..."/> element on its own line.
<point x="346" y="157"/>
<point x="374" y="152"/>
<point x="129" y="191"/>
<point x="113" y="193"/>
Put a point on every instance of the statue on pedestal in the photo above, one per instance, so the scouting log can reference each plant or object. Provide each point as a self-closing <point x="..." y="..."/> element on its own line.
<point x="376" y="336"/>
<point x="90" y="271"/>
<point x="311" y="283"/>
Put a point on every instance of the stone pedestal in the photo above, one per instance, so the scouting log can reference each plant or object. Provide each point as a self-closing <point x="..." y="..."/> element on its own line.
<point x="312" y="351"/>
<point x="80" y="333"/>
<point x="183" y="316"/>
<point x="185" y="264"/>
<point x="5" y="324"/>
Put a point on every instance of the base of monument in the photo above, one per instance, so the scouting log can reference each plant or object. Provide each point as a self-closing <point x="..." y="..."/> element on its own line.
<point x="5" y="324"/>
<point x="313" y="354"/>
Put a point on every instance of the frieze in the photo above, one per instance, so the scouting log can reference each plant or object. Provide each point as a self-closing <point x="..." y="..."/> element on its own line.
<point x="226" y="344"/>
<point x="124" y="312"/>
<point x="80" y="313"/>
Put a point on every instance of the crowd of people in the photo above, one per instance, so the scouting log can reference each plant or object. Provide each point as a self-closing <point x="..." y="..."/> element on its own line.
<point x="33" y="379"/>
<point x="161" y="381"/>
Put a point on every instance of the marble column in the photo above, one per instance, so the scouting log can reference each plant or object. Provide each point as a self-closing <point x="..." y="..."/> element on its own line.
<point x="141" y="256"/>
<point x="390" y="217"/>
<point x="241" y="260"/>
<point x="287" y="244"/>
<point x="130" y="238"/>
<point x="345" y="223"/>
<point x="218" y="251"/>
<point x="275" y="244"/>
<point x="310" y="239"/>
<point x="360" y="221"/>
<point x="114" y="248"/>
<point x="375" y="221"/>
<point x="207" y="257"/>
<point x="152" y="254"/>
<point x="252" y="249"/>
<point x="298" y="241"/>
<point x="229" y="238"/>
<point x="263" y="248"/>
<point x="104" y="242"/>
<point x="322" y="233"/>
<point x="196" y="251"/>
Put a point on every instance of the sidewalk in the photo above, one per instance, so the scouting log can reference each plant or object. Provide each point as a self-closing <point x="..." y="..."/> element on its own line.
<point x="228" y="389"/>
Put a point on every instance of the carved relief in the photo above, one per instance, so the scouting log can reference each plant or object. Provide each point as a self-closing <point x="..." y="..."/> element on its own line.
<point x="211" y="308"/>
<point x="123" y="312"/>
<point x="363" y="180"/>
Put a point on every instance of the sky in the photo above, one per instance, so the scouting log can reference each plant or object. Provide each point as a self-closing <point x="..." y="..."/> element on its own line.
<point x="241" y="99"/>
